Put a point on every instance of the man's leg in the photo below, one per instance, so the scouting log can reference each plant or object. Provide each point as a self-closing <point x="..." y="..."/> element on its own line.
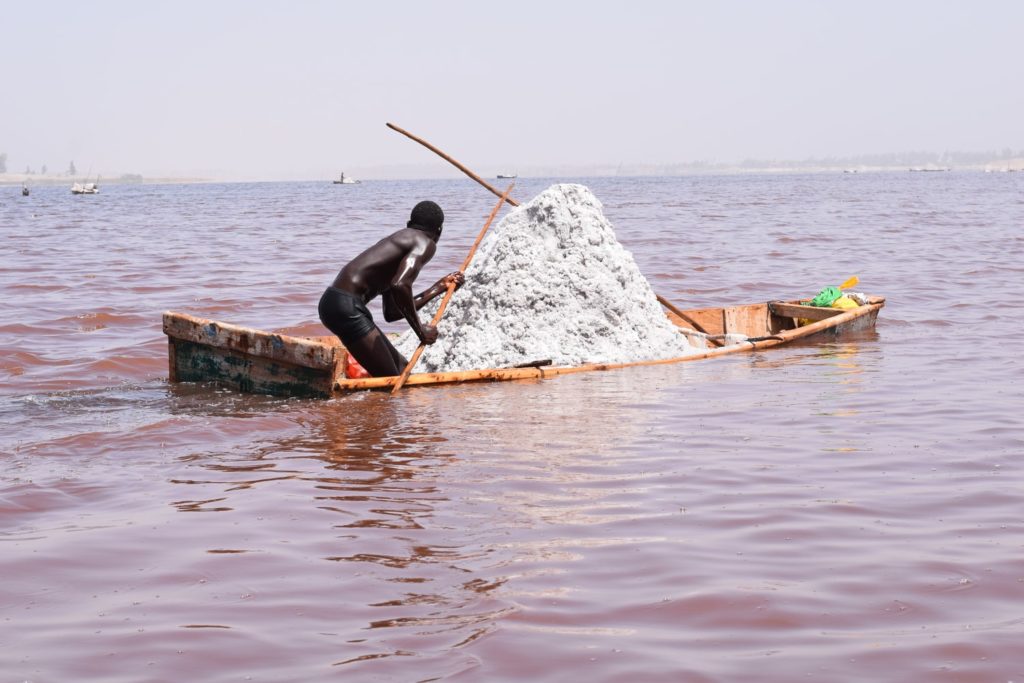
<point x="375" y="353"/>
<point x="399" y="359"/>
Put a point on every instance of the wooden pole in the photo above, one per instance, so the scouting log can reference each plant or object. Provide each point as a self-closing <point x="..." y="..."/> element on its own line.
<point x="665" y="302"/>
<point x="451" y="290"/>
<point x="672" y="307"/>
<point x="452" y="161"/>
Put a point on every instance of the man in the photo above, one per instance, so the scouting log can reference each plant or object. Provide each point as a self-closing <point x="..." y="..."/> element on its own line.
<point x="389" y="269"/>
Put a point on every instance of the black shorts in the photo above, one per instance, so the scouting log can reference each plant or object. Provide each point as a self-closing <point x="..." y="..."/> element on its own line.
<point x="345" y="315"/>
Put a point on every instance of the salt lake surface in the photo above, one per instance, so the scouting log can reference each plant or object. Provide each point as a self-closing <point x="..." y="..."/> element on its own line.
<point x="842" y="511"/>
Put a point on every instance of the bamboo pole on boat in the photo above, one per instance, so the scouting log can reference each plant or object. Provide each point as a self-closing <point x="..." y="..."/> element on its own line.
<point x="836" y="322"/>
<point x="697" y="326"/>
<point x="451" y="290"/>
<point x="453" y="162"/>
<point x="664" y="302"/>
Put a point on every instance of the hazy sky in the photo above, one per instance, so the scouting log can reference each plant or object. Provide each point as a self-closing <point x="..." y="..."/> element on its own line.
<point x="269" y="90"/>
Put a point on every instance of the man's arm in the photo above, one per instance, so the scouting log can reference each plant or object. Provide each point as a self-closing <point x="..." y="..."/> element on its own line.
<point x="439" y="288"/>
<point x="429" y="294"/>
<point x="391" y="312"/>
<point x="400" y="291"/>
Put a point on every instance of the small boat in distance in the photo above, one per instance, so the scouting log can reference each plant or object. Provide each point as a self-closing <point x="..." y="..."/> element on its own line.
<point x="507" y="176"/>
<point x="342" y="180"/>
<point x="86" y="188"/>
<point x="931" y="168"/>
<point x="24" y="190"/>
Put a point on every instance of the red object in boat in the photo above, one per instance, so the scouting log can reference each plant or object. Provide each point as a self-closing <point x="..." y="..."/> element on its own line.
<point x="353" y="370"/>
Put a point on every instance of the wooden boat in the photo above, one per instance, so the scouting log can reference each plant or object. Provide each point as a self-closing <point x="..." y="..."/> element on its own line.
<point x="201" y="350"/>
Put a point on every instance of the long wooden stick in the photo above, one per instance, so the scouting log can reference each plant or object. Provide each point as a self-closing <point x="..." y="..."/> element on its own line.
<point x="672" y="307"/>
<point x="451" y="290"/>
<point x="500" y="374"/>
<point x="453" y="162"/>
<point x="664" y="302"/>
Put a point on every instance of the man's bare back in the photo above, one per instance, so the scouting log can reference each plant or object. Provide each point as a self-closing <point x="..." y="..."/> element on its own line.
<point x="389" y="268"/>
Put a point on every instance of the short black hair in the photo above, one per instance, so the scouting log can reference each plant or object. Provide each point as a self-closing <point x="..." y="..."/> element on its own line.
<point x="426" y="215"/>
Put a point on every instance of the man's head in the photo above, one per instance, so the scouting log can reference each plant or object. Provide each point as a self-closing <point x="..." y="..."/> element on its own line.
<point x="426" y="216"/>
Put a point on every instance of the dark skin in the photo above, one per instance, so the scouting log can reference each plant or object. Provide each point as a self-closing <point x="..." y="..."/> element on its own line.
<point x="389" y="269"/>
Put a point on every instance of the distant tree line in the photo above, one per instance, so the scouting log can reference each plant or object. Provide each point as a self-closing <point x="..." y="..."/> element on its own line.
<point x="29" y="170"/>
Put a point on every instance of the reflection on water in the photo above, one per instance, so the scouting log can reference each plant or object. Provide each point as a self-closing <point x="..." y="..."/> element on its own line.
<point x="428" y="532"/>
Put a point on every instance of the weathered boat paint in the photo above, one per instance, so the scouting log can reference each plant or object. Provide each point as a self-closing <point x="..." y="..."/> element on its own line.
<point x="202" y="350"/>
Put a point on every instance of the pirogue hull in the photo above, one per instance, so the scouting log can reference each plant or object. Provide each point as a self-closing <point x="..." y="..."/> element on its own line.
<point x="202" y="350"/>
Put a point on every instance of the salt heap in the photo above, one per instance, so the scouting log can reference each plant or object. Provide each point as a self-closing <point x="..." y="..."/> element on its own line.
<point x="550" y="281"/>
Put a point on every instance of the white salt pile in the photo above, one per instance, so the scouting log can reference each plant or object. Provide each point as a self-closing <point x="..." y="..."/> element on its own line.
<point x="550" y="281"/>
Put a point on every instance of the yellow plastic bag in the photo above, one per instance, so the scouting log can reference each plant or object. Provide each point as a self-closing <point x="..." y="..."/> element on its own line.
<point x="844" y="302"/>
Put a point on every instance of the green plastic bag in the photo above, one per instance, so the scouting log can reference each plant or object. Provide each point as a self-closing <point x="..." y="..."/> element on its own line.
<point x="826" y="297"/>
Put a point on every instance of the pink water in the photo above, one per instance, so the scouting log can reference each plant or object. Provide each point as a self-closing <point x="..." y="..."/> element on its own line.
<point x="845" y="511"/>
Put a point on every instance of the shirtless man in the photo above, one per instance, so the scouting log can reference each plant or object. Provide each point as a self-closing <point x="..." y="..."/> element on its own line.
<point x="389" y="269"/>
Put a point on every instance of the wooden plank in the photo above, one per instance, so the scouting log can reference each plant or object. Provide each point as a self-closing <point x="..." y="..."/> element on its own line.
<point x="751" y="320"/>
<point x="679" y="318"/>
<point x="708" y="320"/>
<point x="198" y="362"/>
<point x="503" y="374"/>
<point x="327" y="340"/>
<point x="172" y="361"/>
<point x="277" y="347"/>
<point x="858" y="323"/>
<point x="798" y="311"/>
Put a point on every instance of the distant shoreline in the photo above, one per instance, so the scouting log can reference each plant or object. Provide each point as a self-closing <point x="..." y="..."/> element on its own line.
<point x="50" y="179"/>
<point x="540" y="171"/>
